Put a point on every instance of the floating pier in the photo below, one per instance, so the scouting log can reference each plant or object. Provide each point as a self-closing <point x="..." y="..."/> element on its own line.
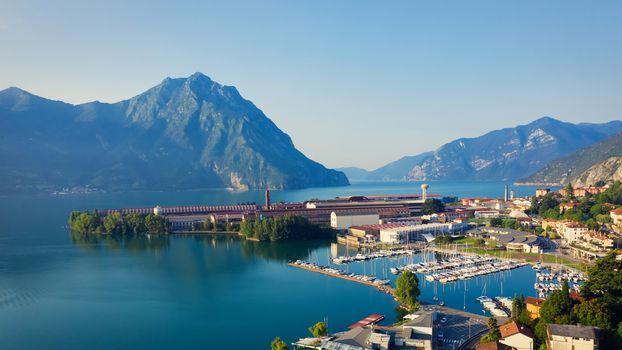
<point x="369" y="320"/>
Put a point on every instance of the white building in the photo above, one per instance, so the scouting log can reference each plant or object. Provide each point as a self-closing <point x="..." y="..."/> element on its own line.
<point x="344" y="220"/>
<point x="411" y="233"/>
<point x="571" y="337"/>
<point x="573" y="231"/>
<point x="516" y="336"/>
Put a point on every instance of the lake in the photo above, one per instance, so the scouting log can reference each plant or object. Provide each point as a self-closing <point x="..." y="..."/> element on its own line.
<point x="195" y="292"/>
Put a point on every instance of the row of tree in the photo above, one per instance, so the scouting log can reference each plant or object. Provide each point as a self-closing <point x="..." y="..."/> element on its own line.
<point x="209" y="226"/>
<point x="284" y="228"/>
<point x="87" y="222"/>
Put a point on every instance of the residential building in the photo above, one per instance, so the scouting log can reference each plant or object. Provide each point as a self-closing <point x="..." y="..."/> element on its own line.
<point x="572" y="231"/>
<point x="567" y="206"/>
<point x="541" y="192"/>
<point x="571" y="337"/>
<point x="582" y="191"/>
<point x="517" y="336"/>
<point x="616" y="219"/>
<point x="533" y="306"/>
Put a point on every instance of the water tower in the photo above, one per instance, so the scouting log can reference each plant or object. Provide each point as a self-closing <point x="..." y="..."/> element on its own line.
<point x="424" y="191"/>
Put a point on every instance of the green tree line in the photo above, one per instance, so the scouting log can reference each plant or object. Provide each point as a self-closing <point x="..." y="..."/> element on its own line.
<point x="284" y="228"/>
<point x="87" y="222"/>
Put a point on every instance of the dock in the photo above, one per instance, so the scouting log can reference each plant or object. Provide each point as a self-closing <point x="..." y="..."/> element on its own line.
<point x="384" y="288"/>
<point x="369" y="320"/>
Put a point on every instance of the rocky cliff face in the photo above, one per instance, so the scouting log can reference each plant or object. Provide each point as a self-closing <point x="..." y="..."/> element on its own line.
<point x="562" y="170"/>
<point x="609" y="171"/>
<point x="184" y="133"/>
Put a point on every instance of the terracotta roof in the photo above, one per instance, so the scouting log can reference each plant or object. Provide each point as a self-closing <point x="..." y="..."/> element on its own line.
<point x="512" y="328"/>
<point x="492" y="346"/>
<point x="534" y="301"/>
<point x="617" y="211"/>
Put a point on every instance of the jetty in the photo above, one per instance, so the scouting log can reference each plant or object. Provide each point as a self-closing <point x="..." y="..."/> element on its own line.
<point x="382" y="285"/>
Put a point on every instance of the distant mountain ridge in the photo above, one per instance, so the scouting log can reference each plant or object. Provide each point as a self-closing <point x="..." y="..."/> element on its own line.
<point x="394" y="171"/>
<point x="564" y="169"/>
<point x="501" y="155"/>
<point x="181" y="134"/>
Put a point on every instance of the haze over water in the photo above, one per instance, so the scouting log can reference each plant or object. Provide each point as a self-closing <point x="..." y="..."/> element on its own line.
<point x="192" y="291"/>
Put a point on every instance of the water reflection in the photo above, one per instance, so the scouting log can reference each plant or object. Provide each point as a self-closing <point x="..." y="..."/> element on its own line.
<point x="272" y="251"/>
<point x="282" y="251"/>
<point x="116" y="243"/>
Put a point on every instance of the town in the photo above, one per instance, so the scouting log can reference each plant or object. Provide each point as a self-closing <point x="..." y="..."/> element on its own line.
<point x="561" y="234"/>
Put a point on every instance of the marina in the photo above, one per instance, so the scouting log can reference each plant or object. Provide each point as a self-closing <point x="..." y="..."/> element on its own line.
<point x="459" y="267"/>
<point x="374" y="255"/>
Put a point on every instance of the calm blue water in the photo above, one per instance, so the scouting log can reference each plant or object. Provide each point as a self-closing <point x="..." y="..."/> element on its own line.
<point x="195" y="292"/>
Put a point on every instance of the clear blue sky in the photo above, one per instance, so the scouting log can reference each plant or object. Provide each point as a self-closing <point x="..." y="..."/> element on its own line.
<point x="352" y="82"/>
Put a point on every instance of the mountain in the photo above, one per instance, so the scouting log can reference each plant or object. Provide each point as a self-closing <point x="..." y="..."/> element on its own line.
<point x="510" y="153"/>
<point x="184" y="133"/>
<point x="609" y="170"/>
<point x="393" y="171"/>
<point x="398" y="170"/>
<point x="354" y="173"/>
<point x="560" y="170"/>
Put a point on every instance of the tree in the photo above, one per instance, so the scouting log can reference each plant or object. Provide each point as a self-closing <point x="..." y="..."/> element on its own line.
<point x="593" y="312"/>
<point x="605" y="278"/>
<point x="444" y="239"/>
<point x="432" y="205"/>
<point x="493" y="332"/>
<point x="496" y="222"/>
<point x="135" y="222"/>
<point x="113" y="223"/>
<point x="573" y="214"/>
<point x="569" y="192"/>
<point x="407" y="289"/>
<point x="517" y="308"/>
<point x="278" y="344"/>
<point x="549" y="201"/>
<point x="557" y="308"/>
<point x="319" y="329"/>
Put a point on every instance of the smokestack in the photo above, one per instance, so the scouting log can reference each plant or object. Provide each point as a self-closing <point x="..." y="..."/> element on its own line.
<point x="267" y="199"/>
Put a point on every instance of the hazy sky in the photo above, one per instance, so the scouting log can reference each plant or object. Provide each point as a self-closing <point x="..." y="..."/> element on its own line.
<point x="352" y="82"/>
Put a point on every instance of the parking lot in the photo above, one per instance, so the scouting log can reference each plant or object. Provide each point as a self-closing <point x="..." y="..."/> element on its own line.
<point x="457" y="327"/>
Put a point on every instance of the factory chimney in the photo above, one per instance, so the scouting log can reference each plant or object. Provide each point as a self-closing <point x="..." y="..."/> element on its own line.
<point x="267" y="199"/>
<point x="424" y="191"/>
